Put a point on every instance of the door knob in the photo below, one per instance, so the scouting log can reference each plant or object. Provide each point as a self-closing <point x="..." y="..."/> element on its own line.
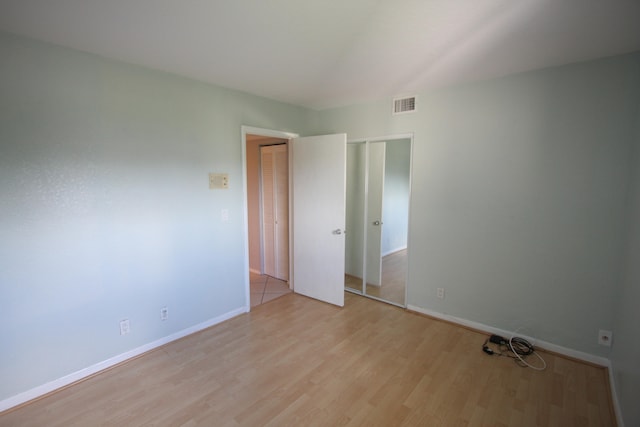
<point x="337" y="231"/>
<point x="377" y="222"/>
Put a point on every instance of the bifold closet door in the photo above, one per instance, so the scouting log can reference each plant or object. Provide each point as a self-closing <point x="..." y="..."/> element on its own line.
<point x="275" y="210"/>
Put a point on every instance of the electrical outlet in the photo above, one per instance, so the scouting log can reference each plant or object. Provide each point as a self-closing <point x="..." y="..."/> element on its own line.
<point x="125" y="327"/>
<point x="440" y="293"/>
<point x="164" y="313"/>
<point x="605" y="337"/>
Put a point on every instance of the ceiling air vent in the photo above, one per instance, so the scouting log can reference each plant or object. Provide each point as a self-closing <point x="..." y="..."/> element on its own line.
<point x="404" y="105"/>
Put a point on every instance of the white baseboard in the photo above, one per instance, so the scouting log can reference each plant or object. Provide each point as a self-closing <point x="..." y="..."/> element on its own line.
<point x="54" y="385"/>
<point x="614" y="398"/>
<point x="51" y="386"/>
<point x="597" y="360"/>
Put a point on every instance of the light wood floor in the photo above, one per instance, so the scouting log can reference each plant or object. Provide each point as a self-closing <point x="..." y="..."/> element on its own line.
<point x="295" y="361"/>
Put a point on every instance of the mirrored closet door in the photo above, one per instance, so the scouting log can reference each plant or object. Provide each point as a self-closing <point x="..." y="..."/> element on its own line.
<point x="377" y="210"/>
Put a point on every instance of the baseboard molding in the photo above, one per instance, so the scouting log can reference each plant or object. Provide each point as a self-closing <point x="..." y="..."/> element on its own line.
<point x="575" y="354"/>
<point x="42" y="390"/>
<point x="52" y="386"/>
<point x="614" y="398"/>
<point x="586" y="357"/>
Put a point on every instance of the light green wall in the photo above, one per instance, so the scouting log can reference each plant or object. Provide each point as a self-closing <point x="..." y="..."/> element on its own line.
<point x="105" y="211"/>
<point x="626" y="343"/>
<point x="519" y="196"/>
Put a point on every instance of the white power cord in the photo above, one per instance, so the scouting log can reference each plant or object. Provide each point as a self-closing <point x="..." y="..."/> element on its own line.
<point x="526" y="344"/>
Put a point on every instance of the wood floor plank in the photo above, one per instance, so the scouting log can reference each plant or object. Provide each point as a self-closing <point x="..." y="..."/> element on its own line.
<point x="295" y="361"/>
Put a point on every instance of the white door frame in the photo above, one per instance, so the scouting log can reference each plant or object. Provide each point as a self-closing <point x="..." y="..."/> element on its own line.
<point x="245" y="130"/>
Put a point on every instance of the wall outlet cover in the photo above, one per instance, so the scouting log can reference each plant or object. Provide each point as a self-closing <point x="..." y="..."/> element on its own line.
<point x="605" y="337"/>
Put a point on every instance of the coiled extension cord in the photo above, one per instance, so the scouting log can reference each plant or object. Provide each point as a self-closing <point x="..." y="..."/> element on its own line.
<point x="516" y="348"/>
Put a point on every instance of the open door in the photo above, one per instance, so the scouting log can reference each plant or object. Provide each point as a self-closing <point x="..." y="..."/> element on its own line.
<point x="318" y="166"/>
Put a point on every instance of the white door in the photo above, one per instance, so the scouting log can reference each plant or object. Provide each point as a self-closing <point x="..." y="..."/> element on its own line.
<point x="375" y="191"/>
<point x="318" y="216"/>
<point x="275" y="210"/>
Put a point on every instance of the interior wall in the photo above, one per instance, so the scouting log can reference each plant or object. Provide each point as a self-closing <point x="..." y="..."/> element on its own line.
<point x="519" y="195"/>
<point x="105" y="211"/>
<point x="625" y="353"/>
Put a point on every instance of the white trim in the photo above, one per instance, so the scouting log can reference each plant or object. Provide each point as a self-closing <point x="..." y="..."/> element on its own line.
<point x="407" y="135"/>
<point x="597" y="360"/>
<point x="614" y="397"/>
<point x="54" y="385"/>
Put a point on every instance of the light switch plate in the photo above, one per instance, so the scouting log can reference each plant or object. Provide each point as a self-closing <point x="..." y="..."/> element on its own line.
<point x="218" y="181"/>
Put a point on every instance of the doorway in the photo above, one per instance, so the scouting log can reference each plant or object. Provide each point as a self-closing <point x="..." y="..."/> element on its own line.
<point x="317" y="171"/>
<point x="267" y="166"/>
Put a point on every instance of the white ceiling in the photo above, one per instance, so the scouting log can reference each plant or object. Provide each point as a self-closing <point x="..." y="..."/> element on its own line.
<point x="328" y="53"/>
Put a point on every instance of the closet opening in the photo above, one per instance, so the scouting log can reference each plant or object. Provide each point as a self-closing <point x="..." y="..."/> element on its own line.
<point x="378" y="189"/>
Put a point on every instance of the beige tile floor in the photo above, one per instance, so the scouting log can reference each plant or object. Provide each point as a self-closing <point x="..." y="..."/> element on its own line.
<point x="266" y="288"/>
